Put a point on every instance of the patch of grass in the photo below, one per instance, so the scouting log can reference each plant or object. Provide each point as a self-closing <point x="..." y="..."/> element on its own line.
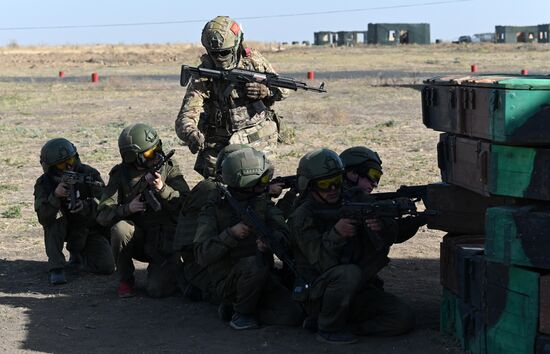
<point x="15" y="161"/>
<point x="8" y="187"/>
<point x="287" y="135"/>
<point x="12" y="212"/>
<point x="387" y="124"/>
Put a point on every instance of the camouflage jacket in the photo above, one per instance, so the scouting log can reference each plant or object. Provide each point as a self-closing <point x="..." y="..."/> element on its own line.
<point x="49" y="208"/>
<point x="317" y="246"/>
<point x="189" y="213"/>
<point x="208" y="107"/>
<point x="122" y="188"/>
<point x="216" y="248"/>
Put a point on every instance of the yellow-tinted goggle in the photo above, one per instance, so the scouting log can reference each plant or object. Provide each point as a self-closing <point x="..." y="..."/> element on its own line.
<point x="63" y="165"/>
<point x="264" y="180"/>
<point x="326" y="184"/>
<point x="149" y="154"/>
<point x="374" y="175"/>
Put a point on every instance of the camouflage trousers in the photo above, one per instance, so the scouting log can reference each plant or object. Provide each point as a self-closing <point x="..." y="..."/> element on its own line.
<point x="91" y="245"/>
<point x="262" y="136"/>
<point x="339" y="300"/>
<point x="253" y="290"/>
<point x="128" y="243"/>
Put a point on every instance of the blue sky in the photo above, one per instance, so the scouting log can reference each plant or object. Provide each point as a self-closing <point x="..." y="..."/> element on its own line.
<point x="448" y="21"/>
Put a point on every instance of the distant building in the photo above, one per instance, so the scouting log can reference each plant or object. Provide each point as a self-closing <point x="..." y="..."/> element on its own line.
<point x="516" y="34"/>
<point x="323" y="38"/>
<point x="398" y="33"/>
<point x="340" y="38"/>
<point x="543" y="33"/>
<point x="484" y="37"/>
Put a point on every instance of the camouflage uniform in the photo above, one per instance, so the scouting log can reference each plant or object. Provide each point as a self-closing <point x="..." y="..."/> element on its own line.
<point x="147" y="236"/>
<point x="83" y="235"/>
<point x="240" y="273"/>
<point x="191" y="272"/>
<point x="228" y="118"/>
<point x="344" y="289"/>
<point x="344" y="286"/>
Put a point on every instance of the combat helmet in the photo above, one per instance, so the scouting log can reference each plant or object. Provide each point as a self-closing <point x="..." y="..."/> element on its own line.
<point x="57" y="151"/>
<point x="364" y="161"/>
<point x="222" y="38"/>
<point x="245" y="168"/>
<point x="136" y="139"/>
<point x="223" y="154"/>
<point x="318" y="164"/>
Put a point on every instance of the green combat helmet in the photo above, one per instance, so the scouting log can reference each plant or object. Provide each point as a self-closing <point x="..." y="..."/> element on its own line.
<point x="56" y="151"/>
<point x="135" y="139"/>
<point x="223" y="154"/>
<point x="245" y="168"/>
<point x="318" y="164"/>
<point x="222" y="39"/>
<point x="360" y="155"/>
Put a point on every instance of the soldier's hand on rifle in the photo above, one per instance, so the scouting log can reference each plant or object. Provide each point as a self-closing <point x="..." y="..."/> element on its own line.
<point x="154" y="181"/>
<point x="196" y="141"/>
<point x="256" y="91"/>
<point x="79" y="205"/>
<point x="275" y="189"/>
<point x="374" y="224"/>
<point x="262" y="246"/>
<point x="62" y="190"/>
<point x="136" y="205"/>
<point x="346" y="227"/>
<point x="240" y="230"/>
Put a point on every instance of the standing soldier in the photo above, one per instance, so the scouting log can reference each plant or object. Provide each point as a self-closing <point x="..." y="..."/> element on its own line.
<point x="143" y="227"/>
<point x="340" y="261"/>
<point x="66" y="220"/>
<point x="238" y="261"/>
<point x="214" y="113"/>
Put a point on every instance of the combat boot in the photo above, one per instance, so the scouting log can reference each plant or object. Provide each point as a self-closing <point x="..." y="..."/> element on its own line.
<point x="126" y="289"/>
<point x="57" y="276"/>
<point x="240" y="321"/>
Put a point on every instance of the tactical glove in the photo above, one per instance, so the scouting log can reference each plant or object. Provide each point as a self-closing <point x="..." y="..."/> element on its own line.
<point x="256" y="91"/>
<point x="196" y="141"/>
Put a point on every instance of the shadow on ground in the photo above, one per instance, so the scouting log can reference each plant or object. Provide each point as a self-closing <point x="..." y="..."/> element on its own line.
<point x="86" y="316"/>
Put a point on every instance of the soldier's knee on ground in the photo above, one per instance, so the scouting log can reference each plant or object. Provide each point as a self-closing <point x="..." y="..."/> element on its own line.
<point x="251" y="270"/>
<point x="346" y="278"/>
<point x="121" y="232"/>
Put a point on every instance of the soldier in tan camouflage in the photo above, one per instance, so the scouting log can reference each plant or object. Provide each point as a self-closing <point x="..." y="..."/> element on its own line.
<point x="214" y="114"/>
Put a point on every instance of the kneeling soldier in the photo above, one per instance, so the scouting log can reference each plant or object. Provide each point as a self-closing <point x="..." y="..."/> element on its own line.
<point x="65" y="201"/>
<point x="238" y="260"/>
<point x="141" y="205"/>
<point x="339" y="259"/>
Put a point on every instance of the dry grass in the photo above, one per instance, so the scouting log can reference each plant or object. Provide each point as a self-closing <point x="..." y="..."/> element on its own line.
<point x="352" y="112"/>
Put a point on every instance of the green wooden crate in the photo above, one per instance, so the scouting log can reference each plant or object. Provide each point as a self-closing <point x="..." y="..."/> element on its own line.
<point x="447" y="313"/>
<point x="492" y="169"/>
<point x="509" y="109"/>
<point x="512" y="309"/>
<point x="518" y="236"/>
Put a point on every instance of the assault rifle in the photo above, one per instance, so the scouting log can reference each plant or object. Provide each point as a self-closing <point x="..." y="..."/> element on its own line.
<point x="242" y="76"/>
<point x="250" y="218"/>
<point x="72" y="178"/>
<point x="415" y="193"/>
<point x="386" y="208"/>
<point x="286" y="181"/>
<point x="147" y="193"/>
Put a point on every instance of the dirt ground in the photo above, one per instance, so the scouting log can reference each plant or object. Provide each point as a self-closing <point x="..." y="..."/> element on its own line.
<point x="85" y="315"/>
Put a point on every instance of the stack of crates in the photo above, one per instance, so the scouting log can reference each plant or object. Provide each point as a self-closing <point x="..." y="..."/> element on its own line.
<point x="494" y="202"/>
